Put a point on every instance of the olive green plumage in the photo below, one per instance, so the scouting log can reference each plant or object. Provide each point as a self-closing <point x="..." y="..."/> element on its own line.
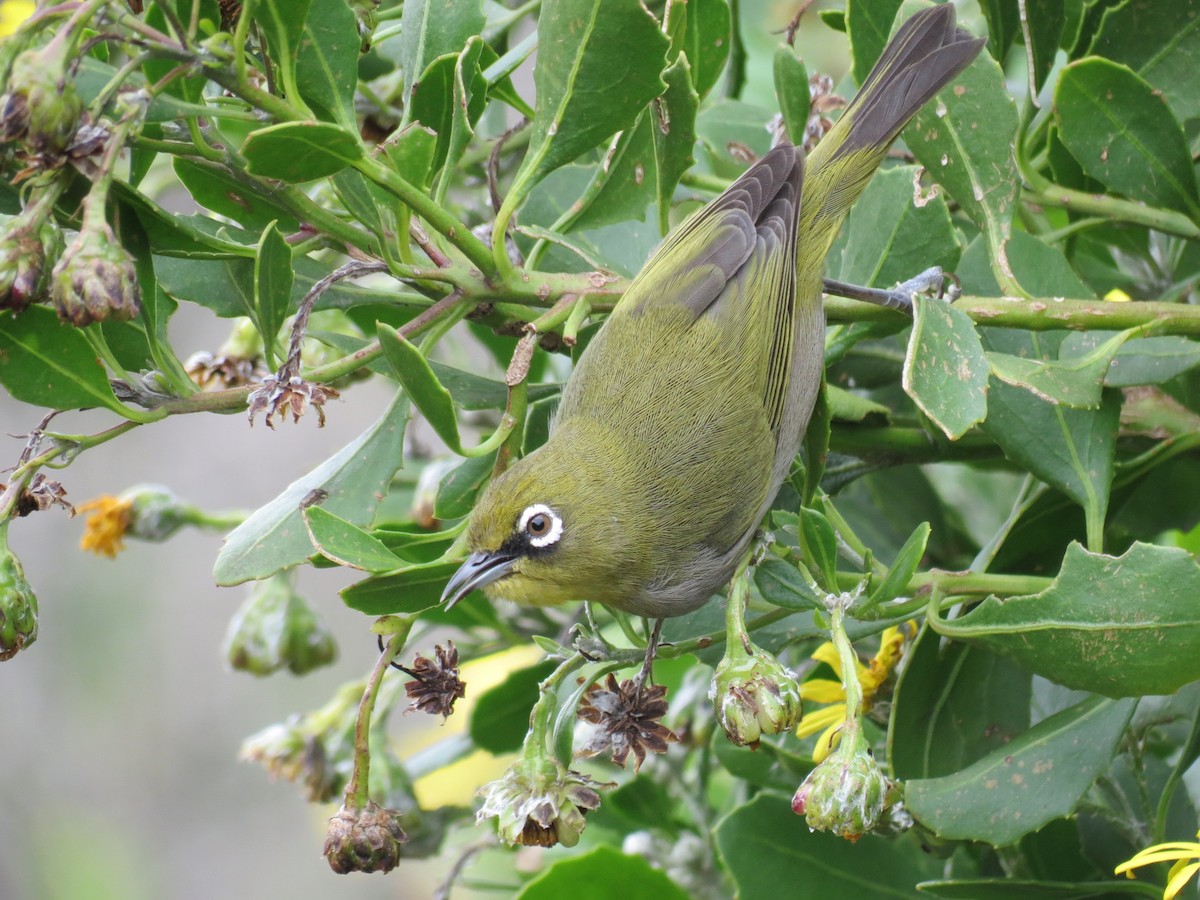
<point x="683" y="416"/>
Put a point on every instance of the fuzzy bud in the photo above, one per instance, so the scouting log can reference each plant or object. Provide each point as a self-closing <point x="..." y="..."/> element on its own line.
<point x="845" y="794"/>
<point x="18" y="605"/>
<point x="364" y="840"/>
<point x="95" y="280"/>
<point x="753" y="694"/>
<point x="276" y="628"/>
<point x="41" y="107"/>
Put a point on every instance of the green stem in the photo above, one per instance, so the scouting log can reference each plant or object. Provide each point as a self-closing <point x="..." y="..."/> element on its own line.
<point x="849" y="660"/>
<point x="454" y="230"/>
<point x="1188" y="755"/>
<point x="1041" y="190"/>
<point x="1043" y="315"/>
<point x="357" y="789"/>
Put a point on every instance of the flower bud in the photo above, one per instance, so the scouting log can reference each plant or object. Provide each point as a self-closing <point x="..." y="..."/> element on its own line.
<point x="25" y="246"/>
<point x="753" y="694"/>
<point x="41" y="107"/>
<point x="540" y="803"/>
<point x="95" y="280"/>
<point x="275" y="628"/>
<point x="845" y="794"/>
<point x="364" y="840"/>
<point x="18" y="605"/>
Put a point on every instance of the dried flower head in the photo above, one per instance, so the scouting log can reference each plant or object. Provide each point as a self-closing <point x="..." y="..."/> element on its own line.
<point x="626" y="717"/>
<point x="208" y="371"/>
<point x="287" y="752"/>
<point x="42" y="494"/>
<point x="437" y="684"/>
<point x="822" y="100"/>
<point x="538" y="803"/>
<point x="95" y="280"/>
<point x="364" y="840"/>
<point x="293" y="396"/>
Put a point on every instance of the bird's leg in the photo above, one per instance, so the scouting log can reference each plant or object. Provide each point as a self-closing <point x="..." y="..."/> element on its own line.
<point x="932" y="281"/>
<point x="648" y="664"/>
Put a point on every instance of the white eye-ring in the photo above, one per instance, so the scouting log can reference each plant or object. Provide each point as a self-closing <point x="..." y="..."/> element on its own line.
<point x="541" y="525"/>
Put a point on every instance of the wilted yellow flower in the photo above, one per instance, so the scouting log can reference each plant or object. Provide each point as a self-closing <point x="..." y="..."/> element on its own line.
<point x="1187" y="863"/>
<point x="871" y="676"/>
<point x="108" y="521"/>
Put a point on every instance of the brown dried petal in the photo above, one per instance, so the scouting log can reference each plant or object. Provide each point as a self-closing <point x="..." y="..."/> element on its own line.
<point x="276" y="399"/>
<point x="626" y="720"/>
<point x="437" y="683"/>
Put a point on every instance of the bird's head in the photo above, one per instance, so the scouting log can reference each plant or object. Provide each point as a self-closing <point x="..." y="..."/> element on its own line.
<point x="548" y="530"/>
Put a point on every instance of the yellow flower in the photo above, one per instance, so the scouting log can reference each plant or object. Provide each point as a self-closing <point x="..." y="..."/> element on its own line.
<point x="823" y="690"/>
<point x="105" y="528"/>
<point x="13" y="13"/>
<point x="1187" y="863"/>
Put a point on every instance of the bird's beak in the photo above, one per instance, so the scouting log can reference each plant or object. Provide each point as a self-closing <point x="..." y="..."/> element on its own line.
<point x="479" y="569"/>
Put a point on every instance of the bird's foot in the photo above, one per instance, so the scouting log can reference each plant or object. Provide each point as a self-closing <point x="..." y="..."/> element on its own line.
<point x="932" y="282"/>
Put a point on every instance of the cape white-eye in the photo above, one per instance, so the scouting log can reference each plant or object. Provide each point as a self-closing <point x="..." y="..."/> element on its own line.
<point x="683" y="415"/>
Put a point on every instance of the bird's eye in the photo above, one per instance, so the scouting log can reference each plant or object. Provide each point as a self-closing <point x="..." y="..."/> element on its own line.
<point x="540" y="525"/>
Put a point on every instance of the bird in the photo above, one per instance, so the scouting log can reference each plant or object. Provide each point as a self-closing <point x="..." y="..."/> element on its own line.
<point x="683" y="415"/>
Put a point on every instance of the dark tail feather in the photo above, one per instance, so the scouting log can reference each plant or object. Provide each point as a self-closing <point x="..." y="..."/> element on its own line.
<point x="924" y="56"/>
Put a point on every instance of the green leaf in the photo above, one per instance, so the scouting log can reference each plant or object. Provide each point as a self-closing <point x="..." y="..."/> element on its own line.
<point x="1003" y="25"/>
<point x="673" y="118"/>
<point x="272" y="287"/>
<point x="734" y="134"/>
<point x="1071" y="449"/>
<point x="819" y="541"/>
<point x="457" y="489"/>
<point x="300" y="151"/>
<point x="1159" y="45"/>
<point x="412" y="589"/>
<point x="902" y="570"/>
<point x="793" y="93"/>
<point x="327" y="63"/>
<point x="500" y="716"/>
<point x="945" y="370"/>
<point x="868" y="25"/>
<point x="1040" y="268"/>
<point x="1151" y="360"/>
<point x="246" y="202"/>
<point x="1120" y="626"/>
<point x="347" y="544"/>
<point x="1045" y="21"/>
<point x="965" y="139"/>
<point x="601" y="874"/>
<point x="953" y="705"/>
<point x="354" y="478"/>
<point x="50" y="364"/>
<point x="471" y="391"/>
<point x="433" y="28"/>
<point x="1074" y="381"/>
<point x="411" y="151"/>
<point x="428" y="395"/>
<point x="598" y="65"/>
<point x="770" y="852"/>
<point x="468" y="99"/>
<point x="890" y="239"/>
<point x="846" y="406"/>
<point x="706" y="39"/>
<point x="622" y="188"/>
<point x="781" y="584"/>
<point x="1124" y="135"/>
<point x="1021" y="786"/>
<point x="282" y="21"/>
